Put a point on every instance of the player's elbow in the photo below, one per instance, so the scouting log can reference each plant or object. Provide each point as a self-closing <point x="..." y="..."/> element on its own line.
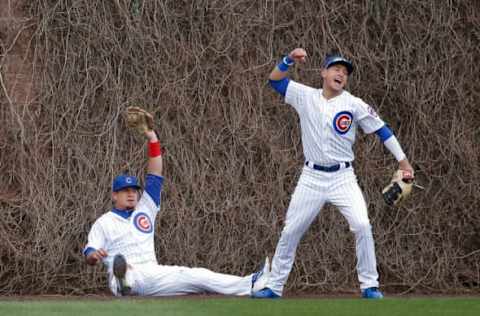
<point x="274" y="76"/>
<point x="384" y="133"/>
<point x="280" y="86"/>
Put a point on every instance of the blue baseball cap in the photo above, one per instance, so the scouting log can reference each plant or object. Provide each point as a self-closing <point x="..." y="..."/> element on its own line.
<point x="338" y="59"/>
<point x="124" y="181"/>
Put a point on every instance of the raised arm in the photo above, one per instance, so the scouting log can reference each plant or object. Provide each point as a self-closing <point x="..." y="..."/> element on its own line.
<point x="280" y="71"/>
<point x="155" y="163"/>
<point x="278" y="77"/>
<point x="142" y="122"/>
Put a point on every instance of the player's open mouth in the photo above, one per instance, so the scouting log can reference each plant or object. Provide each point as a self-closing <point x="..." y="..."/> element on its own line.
<point x="338" y="81"/>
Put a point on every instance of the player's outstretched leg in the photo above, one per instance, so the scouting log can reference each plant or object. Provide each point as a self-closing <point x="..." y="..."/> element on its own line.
<point x="176" y="280"/>
<point x="306" y="202"/>
<point x="120" y="271"/>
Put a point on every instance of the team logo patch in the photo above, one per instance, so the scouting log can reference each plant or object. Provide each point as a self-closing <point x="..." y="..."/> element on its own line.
<point x="342" y="122"/>
<point x="143" y="223"/>
<point x="372" y="111"/>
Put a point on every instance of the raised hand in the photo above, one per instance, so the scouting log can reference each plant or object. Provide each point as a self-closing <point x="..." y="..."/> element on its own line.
<point x="298" y="55"/>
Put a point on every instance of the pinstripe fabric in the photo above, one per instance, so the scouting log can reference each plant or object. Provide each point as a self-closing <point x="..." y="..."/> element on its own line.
<point x="328" y="133"/>
<point x="158" y="280"/>
<point x="348" y="197"/>
<point x="133" y="238"/>
<point x="117" y="235"/>
<point x="314" y="189"/>
<point x="322" y="144"/>
<point x="307" y="200"/>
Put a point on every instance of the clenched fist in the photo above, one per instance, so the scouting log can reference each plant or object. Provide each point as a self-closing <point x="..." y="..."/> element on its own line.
<point x="298" y="55"/>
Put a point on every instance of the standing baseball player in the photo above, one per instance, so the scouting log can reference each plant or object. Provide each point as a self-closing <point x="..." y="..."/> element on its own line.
<point x="123" y="238"/>
<point x="329" y="119"/>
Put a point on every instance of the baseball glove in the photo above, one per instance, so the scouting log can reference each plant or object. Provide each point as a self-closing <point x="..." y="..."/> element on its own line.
<point x="139" y="120"/>
<point x="399" y="188"/>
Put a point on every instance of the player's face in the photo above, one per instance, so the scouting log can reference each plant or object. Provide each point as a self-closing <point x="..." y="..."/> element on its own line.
<point x="335" y="77"/>
<point x="125" y="199"/>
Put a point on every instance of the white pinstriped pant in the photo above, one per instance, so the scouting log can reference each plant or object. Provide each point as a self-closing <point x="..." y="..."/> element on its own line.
<point x="313" y="190"/>
<point x="152" y="279"/>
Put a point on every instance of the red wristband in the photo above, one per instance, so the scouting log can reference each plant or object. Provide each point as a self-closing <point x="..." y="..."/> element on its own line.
<point x="154" y="149"/>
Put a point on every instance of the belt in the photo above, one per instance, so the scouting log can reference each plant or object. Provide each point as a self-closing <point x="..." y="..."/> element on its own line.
<point x="328" y="168"/>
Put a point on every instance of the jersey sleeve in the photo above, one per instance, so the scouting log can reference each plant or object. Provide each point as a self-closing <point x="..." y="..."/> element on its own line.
<point x="96" y="239"/>
<point x="150" y="200"/>
<point x="366" y="117"/>
<point x="297" y="94"/>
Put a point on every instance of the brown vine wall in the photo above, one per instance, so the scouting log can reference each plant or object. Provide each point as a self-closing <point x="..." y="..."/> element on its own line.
<point x="233" y="148"/>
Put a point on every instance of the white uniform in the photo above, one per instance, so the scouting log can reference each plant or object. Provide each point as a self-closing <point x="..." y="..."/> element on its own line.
<point x="328" y="134"/>
<point x="133" y="237"/>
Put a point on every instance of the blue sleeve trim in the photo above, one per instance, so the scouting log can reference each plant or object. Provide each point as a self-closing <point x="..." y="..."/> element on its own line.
<point x="384" y="133"/>
<point x="280" y="85"/>
<point x="88" y="251"/>
<point x="283" y="67"/>
<point x="153" y="186"/>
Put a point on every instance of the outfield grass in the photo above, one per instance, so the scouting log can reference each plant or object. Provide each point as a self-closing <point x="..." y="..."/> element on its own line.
<point x="233" y="307"/>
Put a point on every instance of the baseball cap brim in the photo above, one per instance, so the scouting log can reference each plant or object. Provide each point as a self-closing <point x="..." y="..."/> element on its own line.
<point x="125" y="181"/>
<point x="339" y="60"/>
<point x="126" y="186"/>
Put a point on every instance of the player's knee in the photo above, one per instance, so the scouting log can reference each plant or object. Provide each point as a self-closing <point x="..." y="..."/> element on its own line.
<point x="361" y="228"/>
<point x="291" y="233"/>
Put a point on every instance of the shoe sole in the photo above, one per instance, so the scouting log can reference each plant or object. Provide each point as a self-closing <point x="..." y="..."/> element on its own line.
<point x="119" y="271"/>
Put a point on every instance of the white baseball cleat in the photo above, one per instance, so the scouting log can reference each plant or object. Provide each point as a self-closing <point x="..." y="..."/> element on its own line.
<point x="260" y="278"/>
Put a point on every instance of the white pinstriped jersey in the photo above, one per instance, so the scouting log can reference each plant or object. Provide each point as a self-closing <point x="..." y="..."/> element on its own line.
<point x="133" y="236"/>
<point x="131" y="233"/>
<point x="329" y="126"/>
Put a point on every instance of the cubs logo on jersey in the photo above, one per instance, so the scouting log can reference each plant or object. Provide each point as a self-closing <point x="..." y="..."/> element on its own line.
<point x="371" y="111"/>
<point x="342" y="122"/>
<point x="143" y="223"/>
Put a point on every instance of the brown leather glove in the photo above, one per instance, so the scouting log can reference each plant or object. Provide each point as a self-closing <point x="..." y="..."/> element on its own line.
<point x="139" y="119"/>
<point x="399" y="188"/>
